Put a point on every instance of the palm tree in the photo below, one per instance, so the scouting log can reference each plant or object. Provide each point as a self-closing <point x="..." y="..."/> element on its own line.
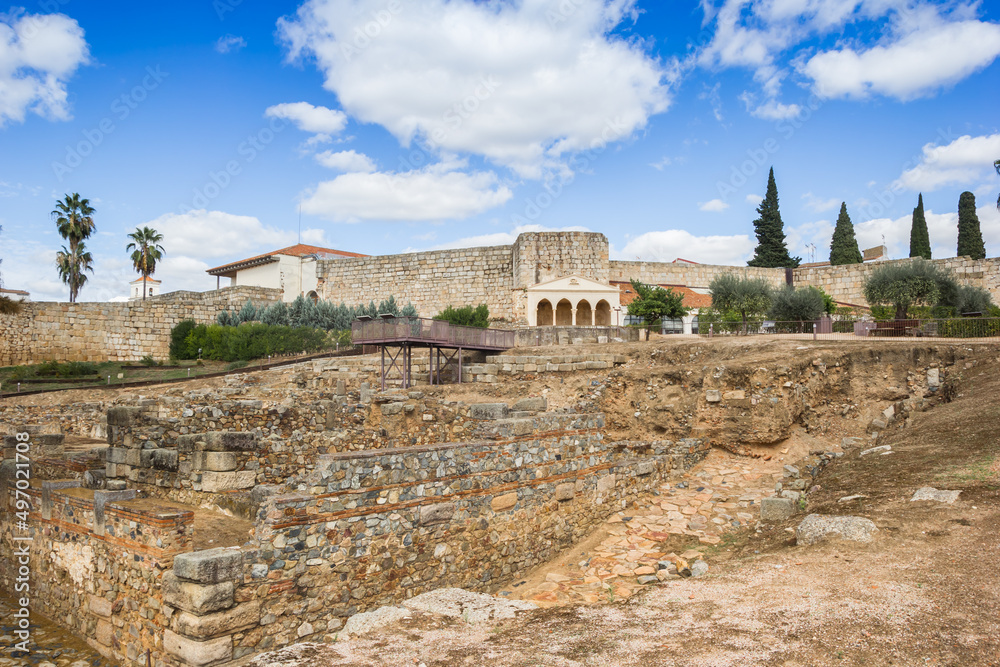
<point x="145" y="252"/>
<point x="74" y="219"/>
<point x="71" y="265"/>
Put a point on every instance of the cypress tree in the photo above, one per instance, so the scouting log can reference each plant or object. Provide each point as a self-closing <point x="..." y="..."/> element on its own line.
<point x="844" y="246"/>
<point x="920" y="241"/>
<point x="970" y="238"/>
<point x="771" y="250"/>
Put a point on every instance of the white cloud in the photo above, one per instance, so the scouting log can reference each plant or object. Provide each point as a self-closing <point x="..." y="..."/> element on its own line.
<point x="229" y="44"/>
<point x="754" y="199"/>
<point x="433" y="193"/>
<point x="713" y="206"/>
<point x="942" y="228"/>
<point x="321" y="121"/>
<point x="659" y="165"/>
<point x="202" y="234"/>
<point x="524" y="84"/>
<point x="916" y="65"/>
<point x="915" y="48"/>
<point x="498" y="238"/>
<point x="667" y="245"/>
<point x="349" y="161"/>
<point x="962" y="162"/>
<point x="38" y="55"/>
<point x="819" y="205"/>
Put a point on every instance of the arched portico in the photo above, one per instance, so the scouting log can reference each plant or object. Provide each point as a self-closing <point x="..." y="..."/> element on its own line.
<point x="564" y="313"/>
<point x="602" y="314"/>
<point x="544" y="313"/>
<point x="584" y="315"/>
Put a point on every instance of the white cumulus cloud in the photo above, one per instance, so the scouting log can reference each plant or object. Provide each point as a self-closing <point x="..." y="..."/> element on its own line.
<point x="203" y="234"/>
<point x="524" y="84"/>
<point x="229" y="44"/>
<point x="434" y="193"/>
<point x="667" y="245"/>
<point x="321" y="121"/>
<point x="913" y="66"/>
<point x="350" y="161"/>
<point x="713" y="206"/>
<point x="961" y="162"/>
<point x="39" y="53"/>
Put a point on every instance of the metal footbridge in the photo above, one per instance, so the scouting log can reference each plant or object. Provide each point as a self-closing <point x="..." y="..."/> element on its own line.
<point x="397" y="336"/>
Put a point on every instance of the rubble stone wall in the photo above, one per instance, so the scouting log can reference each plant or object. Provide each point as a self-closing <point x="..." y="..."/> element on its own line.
<point x="99" y="332"/>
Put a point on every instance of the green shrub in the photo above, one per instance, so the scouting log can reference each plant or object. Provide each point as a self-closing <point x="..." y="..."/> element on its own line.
<point x="253" y="340"/>
<point x="236" y="364"/>
<point x="149" y="361"/>
<point x="466" y="316"/>
<point x="969" y="327"/>
<point x="9" y="306"/>
<point x="178" y="335"/>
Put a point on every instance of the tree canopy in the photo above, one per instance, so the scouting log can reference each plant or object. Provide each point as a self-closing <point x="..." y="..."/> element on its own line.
<point x="805" y="304"/>
<point x="970" y="237"/>
<point x="844" y="246"/>
<point x="744" y="296"/>
<point x="146" y="252"/>
<point x="653" y="303"/>
<point x="771" y="250"/>
<point x="920" y="242"/>
<point x="74" y="218"/>
<point x="902" y="285"/>
<point x="466" y="316"/>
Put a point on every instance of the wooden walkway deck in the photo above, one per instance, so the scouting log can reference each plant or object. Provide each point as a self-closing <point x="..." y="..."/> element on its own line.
<point x="401" y="334"/>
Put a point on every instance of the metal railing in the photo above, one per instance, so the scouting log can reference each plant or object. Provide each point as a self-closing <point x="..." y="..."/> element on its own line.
<point x="430" y="332"/>
<point x="979" y="328"/>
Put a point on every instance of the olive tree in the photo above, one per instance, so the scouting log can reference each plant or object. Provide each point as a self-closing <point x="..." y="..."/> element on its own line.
<point x="744" y="296"/>
<point x="653" y="303"/>
<point x="805" y="304"/>
<point x="905" y="284"/>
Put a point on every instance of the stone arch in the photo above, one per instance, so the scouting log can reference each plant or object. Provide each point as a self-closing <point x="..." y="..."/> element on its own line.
<point x="602" y="314"/>
<point x="584" y="314"/>
<point x="564" y="313"/>
<point x="312" y="296"/>
<point x="544" y="314"/>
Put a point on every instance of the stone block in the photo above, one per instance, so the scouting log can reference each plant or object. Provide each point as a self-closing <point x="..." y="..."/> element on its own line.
<point x="565" y="491"/>
<point x="645" y="468"/>
<point x="737" y="395"/>
<point x="429" y="515"/>
<point x="489" y="411"/>
<point x="100" y="606"/>
<point x="195" y="597"/>
<point x="390" y="409"/>
<point x="933" y="378"/>
<point x="197" y="653"/>
<point x="215" y="482"/>
<point x="776" y="509"/>
<point x="164" y="459"/>
<point x="214" y="461"/>
<point x="225" y="622"/>
<point x="116" y="455"/>
<point x="536" y="404"/>
<point x="210" y="566"/>
<point x="504" y="502"/>
<point x="231" y="441"/>
<point x="104" y="632"/>
<point x="713" y="396"/>
<point x="815" y="528"/>
<point x="606" y="484"/>
<point x="122" y="416"/>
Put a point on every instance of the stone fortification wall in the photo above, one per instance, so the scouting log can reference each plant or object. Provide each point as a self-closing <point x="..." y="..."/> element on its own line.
<point x="845" y="283"/>
<point x="542" y="256"/>
<point x="99" y="332"/>
<point x="690" y="275"/>
<point x="431" y="281"/>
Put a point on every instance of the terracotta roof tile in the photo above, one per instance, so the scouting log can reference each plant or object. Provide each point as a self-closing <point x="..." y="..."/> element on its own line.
<point x="692" y="299"/>
<point x="297" y="250"/>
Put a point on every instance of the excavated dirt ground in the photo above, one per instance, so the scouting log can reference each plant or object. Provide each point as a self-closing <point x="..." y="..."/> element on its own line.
<point x="925" y="592"/>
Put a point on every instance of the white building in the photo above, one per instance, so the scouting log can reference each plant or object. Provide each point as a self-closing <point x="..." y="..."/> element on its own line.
<point x="291" y="269"/>
<point x="16" y="294"/>
<point x="136" y="287"/>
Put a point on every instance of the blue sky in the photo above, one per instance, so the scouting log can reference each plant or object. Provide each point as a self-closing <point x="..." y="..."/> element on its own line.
<point x="397" y="126"/>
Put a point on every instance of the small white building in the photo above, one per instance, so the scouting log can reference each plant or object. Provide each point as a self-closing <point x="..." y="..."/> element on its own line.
<point x="291" y="269"/>
<point x="136" y="287"/>
<point x="16" y="295"/>
<point x="573" y="301"/>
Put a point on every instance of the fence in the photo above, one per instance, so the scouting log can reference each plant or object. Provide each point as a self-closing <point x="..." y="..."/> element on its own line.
<point x="416" y="330"/>
<point x="981" y="328"/>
